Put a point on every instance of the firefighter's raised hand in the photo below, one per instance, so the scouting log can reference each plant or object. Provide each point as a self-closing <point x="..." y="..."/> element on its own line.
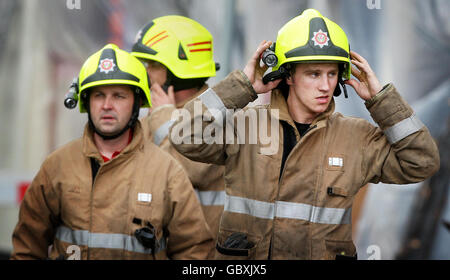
<point x="160" y="97"/>
<point x="255" y="72"/>
<point x="367" y="85"/>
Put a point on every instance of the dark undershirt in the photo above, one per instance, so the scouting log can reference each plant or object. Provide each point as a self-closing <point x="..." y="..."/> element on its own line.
<point x="302" y="127"/>
<point x="290" y="140"/>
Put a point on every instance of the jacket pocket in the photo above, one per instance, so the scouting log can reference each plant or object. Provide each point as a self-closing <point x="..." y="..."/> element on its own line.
<point x="73" y="200"/>
<point x="335" y="191"/>
<point x="336" y="250"/>
<point x="224" y="252"/>
<point x="335" y="197"/>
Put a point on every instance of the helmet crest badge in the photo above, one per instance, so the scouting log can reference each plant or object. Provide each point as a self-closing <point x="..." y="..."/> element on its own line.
<point x="320" y="38"/>
<point x="106" y="65"/>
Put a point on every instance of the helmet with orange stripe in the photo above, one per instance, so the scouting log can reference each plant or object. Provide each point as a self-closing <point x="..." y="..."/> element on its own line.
<point x="182" y="45"/>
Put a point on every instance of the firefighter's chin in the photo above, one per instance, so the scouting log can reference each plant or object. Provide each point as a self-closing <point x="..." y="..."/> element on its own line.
<point x="109" y="129"/>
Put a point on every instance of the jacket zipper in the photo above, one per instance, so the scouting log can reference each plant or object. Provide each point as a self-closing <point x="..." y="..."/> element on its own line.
<point x="279" y="184"/>
<point x="91" y="210"/>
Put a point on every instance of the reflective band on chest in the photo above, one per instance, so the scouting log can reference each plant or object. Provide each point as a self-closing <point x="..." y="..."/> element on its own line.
<point x="289" y="210"/>
<point x="105" y="240"/>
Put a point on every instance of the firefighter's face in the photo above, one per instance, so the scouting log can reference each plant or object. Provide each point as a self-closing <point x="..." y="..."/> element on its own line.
<point x="111" y="107"/>
<point x="311" y="87"/>
<point x="156" y="72"/>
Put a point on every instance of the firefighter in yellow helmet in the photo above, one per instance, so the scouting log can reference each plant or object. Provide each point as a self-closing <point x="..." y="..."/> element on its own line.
<point x="180" y="45"/>
<point x="178" y="54"/>
<point x="289" y="195"/>
<point x="111" y="194"/>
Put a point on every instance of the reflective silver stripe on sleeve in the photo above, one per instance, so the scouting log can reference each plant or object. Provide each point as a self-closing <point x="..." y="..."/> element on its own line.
<point x="403" y="129"/>
<point x="105" y="240"/>
<point x="162" y="132"/>
<point x="212" y="101"/>
<point x="289" y="210"/>
<point x="211" y="198"/>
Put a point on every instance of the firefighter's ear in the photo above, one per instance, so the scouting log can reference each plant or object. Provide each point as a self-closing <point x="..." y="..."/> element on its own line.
<point x="289" y="80"/>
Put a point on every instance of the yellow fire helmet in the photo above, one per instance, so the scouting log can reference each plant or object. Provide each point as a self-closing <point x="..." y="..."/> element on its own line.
<point x="181" y="44"/>
<point x="111" y="65"/>
<point x="312" y="37"/>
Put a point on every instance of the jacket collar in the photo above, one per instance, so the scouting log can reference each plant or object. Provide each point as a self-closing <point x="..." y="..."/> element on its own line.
<point x="90" y="149"/>
<point x="200" y="91"/>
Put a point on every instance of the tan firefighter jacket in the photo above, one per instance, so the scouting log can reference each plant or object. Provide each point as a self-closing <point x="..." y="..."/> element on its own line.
<point x="207" y="179"/>
<point x="84" y="218"/>
<point x="304" y="210"/>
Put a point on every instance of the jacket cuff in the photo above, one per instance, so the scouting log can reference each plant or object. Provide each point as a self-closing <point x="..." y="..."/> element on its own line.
<point x="393" y="114"/>
<point x="371" y="101"/>
<point x="159" y="122"/>
<point x="235" y="90"/>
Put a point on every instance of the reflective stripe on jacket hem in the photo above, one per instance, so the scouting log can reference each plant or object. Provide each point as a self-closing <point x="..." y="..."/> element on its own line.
<point x="105" y="240"/>
<point x="290" y="210"/>
<point x="403" y="129"/>
<point x="211" y="198"/>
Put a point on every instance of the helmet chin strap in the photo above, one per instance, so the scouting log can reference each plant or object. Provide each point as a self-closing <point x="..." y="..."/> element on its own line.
<point x="340" y="83"/>
<point x="131" y="123"/>
<point x="338" y="90"/>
